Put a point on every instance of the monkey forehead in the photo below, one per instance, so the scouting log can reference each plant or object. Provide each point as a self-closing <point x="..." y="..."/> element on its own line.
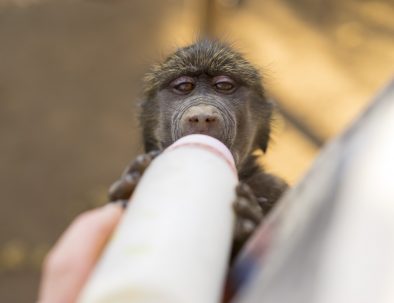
<point x="206" y="56"/>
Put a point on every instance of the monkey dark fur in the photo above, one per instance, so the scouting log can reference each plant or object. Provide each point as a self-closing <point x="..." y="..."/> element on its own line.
<point x="211" y="89"/>
<point x="243" y="107"/>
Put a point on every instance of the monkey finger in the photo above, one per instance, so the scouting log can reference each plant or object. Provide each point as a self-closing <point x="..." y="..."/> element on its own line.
<point x="154" y="153"/>
<point x="244" y="190"/>
<point x="243" y="229"/>
<point x="248" y="209"/>
<point x="263" y="202"/>
<point x="140" y="163"/>
<point x="124" y="187"/>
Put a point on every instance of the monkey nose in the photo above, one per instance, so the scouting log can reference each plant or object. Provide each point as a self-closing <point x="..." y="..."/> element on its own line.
<point x="202" y="119"/>
<point x="202" y="123"/>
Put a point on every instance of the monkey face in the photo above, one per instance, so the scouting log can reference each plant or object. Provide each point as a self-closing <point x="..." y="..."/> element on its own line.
<point x="217" y="106"/>
<point x="206" y="88"/>
<point x="204" y="111"/>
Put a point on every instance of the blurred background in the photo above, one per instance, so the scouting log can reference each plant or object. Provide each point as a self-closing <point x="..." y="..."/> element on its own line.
<point x="70" y="84"/>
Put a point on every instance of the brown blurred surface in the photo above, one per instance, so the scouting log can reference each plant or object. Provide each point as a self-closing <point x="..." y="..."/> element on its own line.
<point x="322" y="61"/>
<point x="69" y="80"/>
<point x="70" y="76"/>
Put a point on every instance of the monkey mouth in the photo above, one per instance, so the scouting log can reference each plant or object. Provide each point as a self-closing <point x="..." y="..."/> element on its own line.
<point x="224" y="130"/>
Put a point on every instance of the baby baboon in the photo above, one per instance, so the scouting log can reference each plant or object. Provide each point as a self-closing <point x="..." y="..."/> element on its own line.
<point x="208" y="88"/>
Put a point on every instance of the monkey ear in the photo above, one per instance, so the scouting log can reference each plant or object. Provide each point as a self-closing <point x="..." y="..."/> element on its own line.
<point x="263" y="137"/>
<point x="264" y="131"/>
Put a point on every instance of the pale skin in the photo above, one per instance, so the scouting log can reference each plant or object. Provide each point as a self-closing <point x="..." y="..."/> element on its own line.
<point x="69" y="263"/>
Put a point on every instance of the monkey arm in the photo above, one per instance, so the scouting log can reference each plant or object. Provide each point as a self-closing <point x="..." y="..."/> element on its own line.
<point x="257" y="193"/>
<point x="122" y="189"/>
<point x="267" y="188"/>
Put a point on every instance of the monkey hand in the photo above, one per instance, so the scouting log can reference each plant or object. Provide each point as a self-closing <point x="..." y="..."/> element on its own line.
<point x="249" y="213"/>
<point x="122" y="189"/>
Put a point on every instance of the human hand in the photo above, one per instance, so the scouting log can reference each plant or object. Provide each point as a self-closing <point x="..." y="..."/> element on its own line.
<point x="69" y="263"/>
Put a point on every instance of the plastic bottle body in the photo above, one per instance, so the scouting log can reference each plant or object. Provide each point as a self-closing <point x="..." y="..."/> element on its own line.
<point x="174" y="241"/>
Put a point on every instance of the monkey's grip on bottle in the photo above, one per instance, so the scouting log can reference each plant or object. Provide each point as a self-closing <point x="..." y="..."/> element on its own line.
<point x="174" y="241"/>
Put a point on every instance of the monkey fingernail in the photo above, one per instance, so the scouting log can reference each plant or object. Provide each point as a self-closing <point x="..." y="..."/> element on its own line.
<point x="141" y="163"/>
<point x="243" y="229"/>
<point x="244" y="190"/>
<point x="154" y="153"/>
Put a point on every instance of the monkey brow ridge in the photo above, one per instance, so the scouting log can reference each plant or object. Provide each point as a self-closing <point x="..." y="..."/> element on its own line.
<point x="206" y="56"/>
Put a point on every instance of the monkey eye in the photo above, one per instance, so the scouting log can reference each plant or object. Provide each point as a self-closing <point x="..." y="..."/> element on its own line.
<point x="183" y="85"/>
<point x="224" y="84"/>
